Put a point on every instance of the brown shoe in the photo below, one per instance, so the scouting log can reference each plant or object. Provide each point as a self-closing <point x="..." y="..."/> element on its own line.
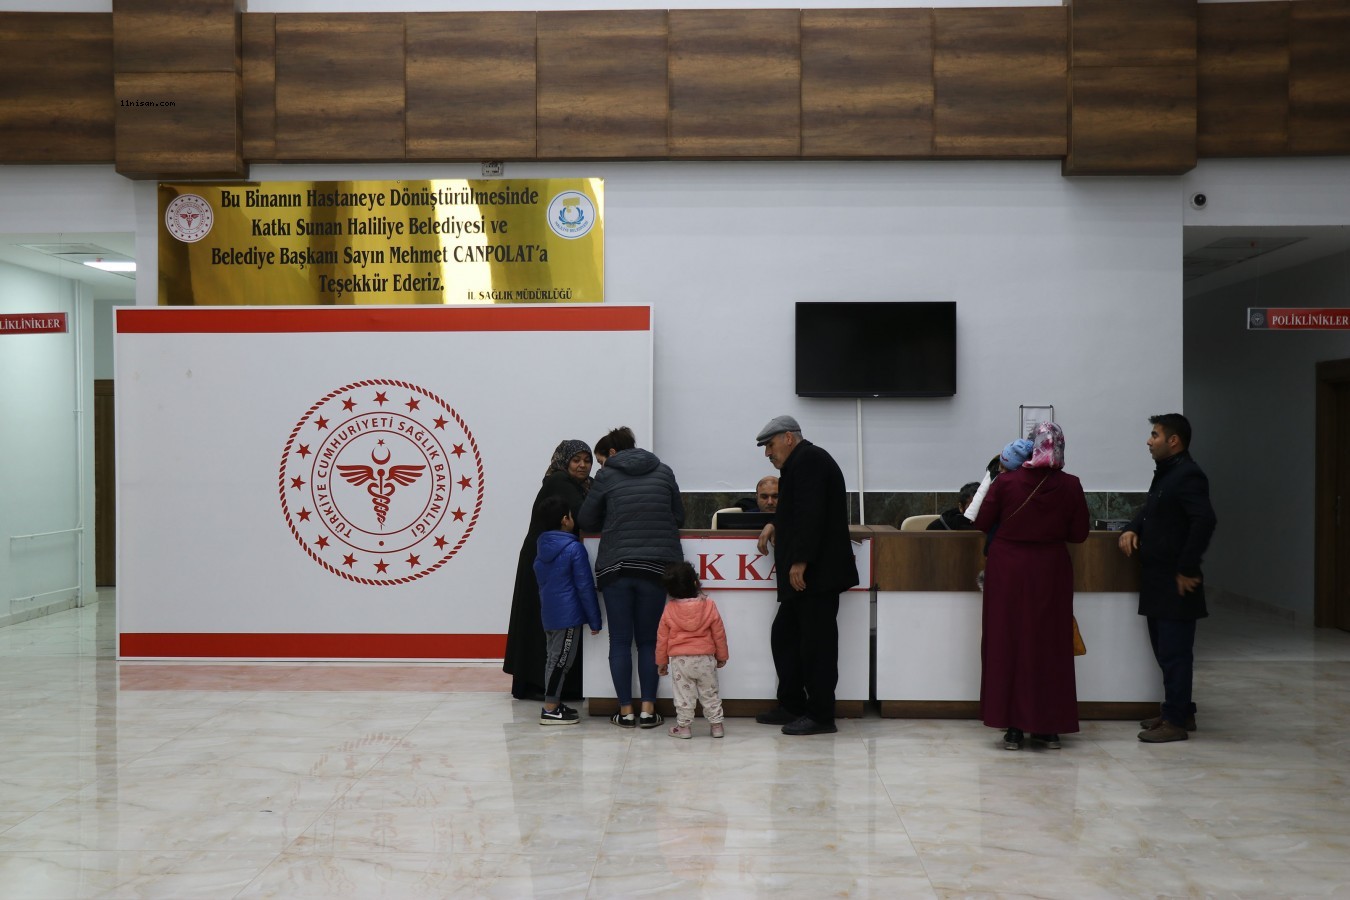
<point x="1157" y="720"/>
<point x="1163" y="733"/>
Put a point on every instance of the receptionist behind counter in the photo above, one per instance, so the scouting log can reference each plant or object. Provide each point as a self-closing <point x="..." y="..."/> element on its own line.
<point x="954" y="519"/>
<point x="766" y="496"/>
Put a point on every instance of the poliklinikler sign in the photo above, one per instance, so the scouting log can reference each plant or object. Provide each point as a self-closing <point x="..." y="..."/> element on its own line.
<point x="33" y="323"/>
<point x="1298" y="319"/>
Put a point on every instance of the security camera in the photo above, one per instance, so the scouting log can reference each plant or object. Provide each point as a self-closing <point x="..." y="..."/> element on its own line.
<point x="1198" y="201"/>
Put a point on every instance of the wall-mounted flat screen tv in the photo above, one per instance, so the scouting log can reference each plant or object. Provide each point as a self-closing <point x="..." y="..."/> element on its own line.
<point x="889" y="349"/>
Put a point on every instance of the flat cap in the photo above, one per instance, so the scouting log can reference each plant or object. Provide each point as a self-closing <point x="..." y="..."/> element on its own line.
<point x="777" y="425"/>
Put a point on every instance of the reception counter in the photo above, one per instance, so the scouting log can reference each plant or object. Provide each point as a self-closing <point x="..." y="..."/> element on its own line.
<point x="919" y="589"/>
<point x="928" y="612"/>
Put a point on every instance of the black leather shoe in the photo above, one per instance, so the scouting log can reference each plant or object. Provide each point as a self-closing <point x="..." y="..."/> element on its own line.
<point x="1012" y="739"/>
<point x="1149" y="724"/>
<point x="808" y="725"/>
<point x="1048" y="741"/>
<point x="779" y="715"/>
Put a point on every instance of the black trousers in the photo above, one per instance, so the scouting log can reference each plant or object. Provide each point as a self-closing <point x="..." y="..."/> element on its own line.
<point x="1173" y="643"/>
<point x="805" y="645"/>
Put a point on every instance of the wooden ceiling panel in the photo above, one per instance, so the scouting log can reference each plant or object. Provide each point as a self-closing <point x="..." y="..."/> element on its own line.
<point x="1000" y="82"/>
<point x="471" y="85"/>
<point x="603" y="89"/>
<point x="1242" y="94"/>
<point x="867" y="83"/>
<point x="339" y="87"/>
<point x="735" y="83"/>
<point x="57" y="113"/>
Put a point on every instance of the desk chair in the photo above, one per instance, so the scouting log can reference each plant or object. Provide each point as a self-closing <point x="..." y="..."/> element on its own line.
<point x="918" y="523"/>
<point x="726" y="509"/>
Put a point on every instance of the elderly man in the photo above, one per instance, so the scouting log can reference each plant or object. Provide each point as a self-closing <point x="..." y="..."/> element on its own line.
<point x="766" y="496"/>
<point x="814" y="562"/>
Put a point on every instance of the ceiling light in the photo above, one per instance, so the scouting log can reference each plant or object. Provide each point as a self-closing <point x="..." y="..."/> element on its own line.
<point x="112" y="265"/>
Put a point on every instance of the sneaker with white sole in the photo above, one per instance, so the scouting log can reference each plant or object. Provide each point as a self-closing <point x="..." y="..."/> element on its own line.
<point x="563" y="715"/>
<point x="649" y="719"/>
<point x="680" y="731"/>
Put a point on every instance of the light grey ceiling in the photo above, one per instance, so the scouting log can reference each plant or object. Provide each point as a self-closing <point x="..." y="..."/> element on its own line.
<point x="104" y="285"/>
<point x="1216" y="257"/>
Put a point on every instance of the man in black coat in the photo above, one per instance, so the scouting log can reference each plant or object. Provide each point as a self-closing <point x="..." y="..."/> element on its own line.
<point x="1171" y="534"/>
<point x="813" y="557"/>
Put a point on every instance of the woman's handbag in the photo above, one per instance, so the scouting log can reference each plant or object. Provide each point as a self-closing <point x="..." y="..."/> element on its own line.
<point x="1079" y="648"/>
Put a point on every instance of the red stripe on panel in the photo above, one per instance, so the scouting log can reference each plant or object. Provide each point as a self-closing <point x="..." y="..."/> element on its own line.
<point x="313" y="646"/>
<point x="273" y="320"/>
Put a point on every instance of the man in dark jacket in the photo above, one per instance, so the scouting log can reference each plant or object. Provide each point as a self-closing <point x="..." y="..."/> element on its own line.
<point x="1171" y="534"/>
<point x="814" y="563"/>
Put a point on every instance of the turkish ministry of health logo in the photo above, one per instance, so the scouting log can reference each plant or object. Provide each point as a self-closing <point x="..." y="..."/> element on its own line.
<point x="381" y="482"/>
<point x="189" y="218"/>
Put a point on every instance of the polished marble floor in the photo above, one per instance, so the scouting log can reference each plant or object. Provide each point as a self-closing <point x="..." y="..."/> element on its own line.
<point x="291" y="781"/>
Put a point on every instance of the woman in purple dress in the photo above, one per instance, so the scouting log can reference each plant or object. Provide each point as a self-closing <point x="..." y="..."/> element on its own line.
<point x="1027" y="679"/>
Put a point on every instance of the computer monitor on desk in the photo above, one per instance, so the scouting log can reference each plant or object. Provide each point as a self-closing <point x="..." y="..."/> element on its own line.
<point x="754" y="520"/>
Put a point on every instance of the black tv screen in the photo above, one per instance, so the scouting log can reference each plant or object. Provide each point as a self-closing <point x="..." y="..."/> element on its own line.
<point x="889" y="349"/>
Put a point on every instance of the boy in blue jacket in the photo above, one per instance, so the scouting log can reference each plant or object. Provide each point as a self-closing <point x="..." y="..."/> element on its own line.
<point x="566" y="599"/>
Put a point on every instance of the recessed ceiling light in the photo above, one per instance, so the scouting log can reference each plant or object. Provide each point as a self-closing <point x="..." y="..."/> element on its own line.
<point x="111" y="265"/>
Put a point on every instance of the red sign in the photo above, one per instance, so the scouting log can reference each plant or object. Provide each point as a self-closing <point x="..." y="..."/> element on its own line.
<point x="1291" y="319"/>
<point x="33" y="323"/>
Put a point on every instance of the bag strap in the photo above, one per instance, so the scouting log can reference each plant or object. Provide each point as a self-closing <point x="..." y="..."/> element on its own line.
<point x="1029" y="496"/>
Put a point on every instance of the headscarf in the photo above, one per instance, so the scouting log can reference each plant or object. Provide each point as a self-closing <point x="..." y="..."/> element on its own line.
<point x="1049" y="447"/>
<point x="1015" y="453"/>
<point x="564" y="453"/>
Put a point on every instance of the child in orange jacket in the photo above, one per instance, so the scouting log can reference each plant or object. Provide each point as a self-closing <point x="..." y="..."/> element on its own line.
<point x="691" y="644"/>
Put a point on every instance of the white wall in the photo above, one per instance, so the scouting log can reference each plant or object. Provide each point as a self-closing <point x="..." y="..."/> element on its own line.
<point x="46" y="443"/>
<point x="1059" y="283"/>
<point x="1251" y="399"/>
<point x="1069" y="292"/>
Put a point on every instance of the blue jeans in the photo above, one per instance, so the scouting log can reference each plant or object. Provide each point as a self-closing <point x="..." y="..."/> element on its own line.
<point x="633" y="609"/>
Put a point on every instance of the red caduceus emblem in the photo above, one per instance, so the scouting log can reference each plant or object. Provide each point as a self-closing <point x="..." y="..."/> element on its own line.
<point x="381" y="482"/>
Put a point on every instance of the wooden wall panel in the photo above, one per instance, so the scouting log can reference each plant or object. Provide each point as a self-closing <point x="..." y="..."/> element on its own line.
<point x="340" y="87"/>
<point x="174" y="36"/>
<point x="1242" y="85"/>
<point x="735" y="83"/>
<point x="260" y="86"/>
<point x="1132" y="33"/>
<point x="867" y="83"/>
<point x="56" y="113"/>
<point x="1132" y="120"/>
<point x="197" y="136"/>
<point x="948" y="561"/>
<point x="603" y="89"/>
<point x="471" y="85"/>
<point x="1319" y="77"/>
<point x="1132" y="87"/>
<point x="179" y="98"/>
<point x="1000" y="82"/>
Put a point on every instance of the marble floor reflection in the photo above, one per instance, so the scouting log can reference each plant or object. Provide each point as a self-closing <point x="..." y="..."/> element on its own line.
<point x="382" y="781"/>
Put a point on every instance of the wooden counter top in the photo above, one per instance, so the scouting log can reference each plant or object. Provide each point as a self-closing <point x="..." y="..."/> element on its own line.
<point x="950" y="560"/>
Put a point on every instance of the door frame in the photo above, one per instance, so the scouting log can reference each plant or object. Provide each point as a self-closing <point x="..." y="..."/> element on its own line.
<point x="105" y="486"/>
<point x="1331" y="375"/>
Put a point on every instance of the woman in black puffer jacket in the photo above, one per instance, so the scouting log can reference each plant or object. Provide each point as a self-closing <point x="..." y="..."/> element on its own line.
<point x="635" y="505"/>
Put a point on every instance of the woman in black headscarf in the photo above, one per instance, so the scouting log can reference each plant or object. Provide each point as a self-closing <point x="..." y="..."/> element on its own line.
<point x="568" y="476"/>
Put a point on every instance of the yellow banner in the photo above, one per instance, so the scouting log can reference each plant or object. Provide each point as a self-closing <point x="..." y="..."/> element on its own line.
<point x="382" y="242"/>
